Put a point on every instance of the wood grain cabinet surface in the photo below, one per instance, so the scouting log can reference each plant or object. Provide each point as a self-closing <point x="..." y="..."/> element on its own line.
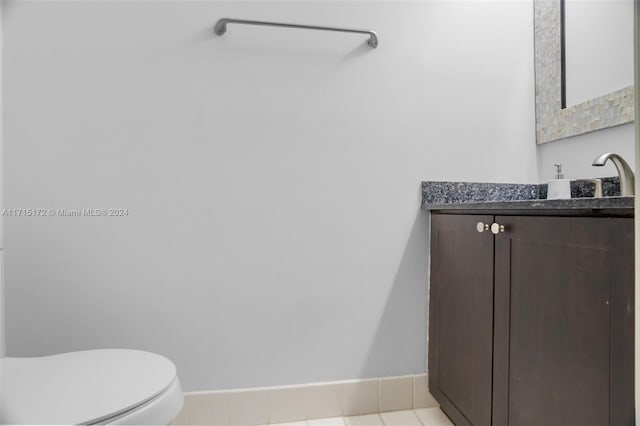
<point x="532" y="326"/>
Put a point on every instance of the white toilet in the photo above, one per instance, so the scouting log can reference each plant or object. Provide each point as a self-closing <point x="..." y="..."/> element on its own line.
<point x="108" y="386"/>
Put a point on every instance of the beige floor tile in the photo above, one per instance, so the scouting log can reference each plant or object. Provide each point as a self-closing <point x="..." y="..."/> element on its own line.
<point x="289" y="424"/>
<point x="287" y="405"/>
<point x="248" y="408"/>
<point x="396" y="393"/>
<point x="421" y="396"/>
<point x="360" y="397"/>
<point x="400" y="418"/>
<point x="207" y="409"/>
<point x="331" y="421"/>
<point x="433" y="417"/>
<point x="368" y="420"/>
<point x="323" y="401"/>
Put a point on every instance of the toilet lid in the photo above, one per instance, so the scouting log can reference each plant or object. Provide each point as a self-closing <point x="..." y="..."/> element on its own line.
<point x="80" y="387"/>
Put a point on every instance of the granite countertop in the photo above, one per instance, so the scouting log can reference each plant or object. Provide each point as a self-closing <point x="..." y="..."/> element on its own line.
<point x="477" y="197"/>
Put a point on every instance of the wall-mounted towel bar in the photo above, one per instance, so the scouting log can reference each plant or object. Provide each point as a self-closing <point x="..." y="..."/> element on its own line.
<point x="221" y="28"/>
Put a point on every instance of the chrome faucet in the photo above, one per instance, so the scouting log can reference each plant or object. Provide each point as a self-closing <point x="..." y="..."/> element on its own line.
<point x="627" y="179"/>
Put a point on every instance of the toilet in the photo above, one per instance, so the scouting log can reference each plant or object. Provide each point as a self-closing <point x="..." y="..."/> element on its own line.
<point x="107" y="387"/>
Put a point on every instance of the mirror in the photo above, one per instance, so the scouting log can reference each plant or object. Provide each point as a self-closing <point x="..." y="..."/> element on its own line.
<point x="598" y="47"/>
<point x="555" y="117"/>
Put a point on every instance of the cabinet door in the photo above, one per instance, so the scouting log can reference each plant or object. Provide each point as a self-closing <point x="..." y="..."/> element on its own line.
<point x="564" y="322"/>
<point x="461" y="318"/>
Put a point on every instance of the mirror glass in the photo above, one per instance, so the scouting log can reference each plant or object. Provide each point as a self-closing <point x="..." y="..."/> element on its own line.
<point x="598" y="48"/>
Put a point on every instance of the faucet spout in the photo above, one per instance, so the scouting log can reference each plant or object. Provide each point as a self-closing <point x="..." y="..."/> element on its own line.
<point x="627" y="178"/>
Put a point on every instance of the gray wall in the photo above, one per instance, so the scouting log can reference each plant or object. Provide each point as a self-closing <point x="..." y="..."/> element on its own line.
<point x="272" y="176"/>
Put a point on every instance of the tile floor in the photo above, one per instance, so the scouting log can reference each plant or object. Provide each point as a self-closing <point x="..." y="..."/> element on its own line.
<point x="418" y="417"/>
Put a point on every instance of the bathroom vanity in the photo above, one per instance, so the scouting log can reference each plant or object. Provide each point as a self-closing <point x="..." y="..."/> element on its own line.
<point x="531" y="312"/>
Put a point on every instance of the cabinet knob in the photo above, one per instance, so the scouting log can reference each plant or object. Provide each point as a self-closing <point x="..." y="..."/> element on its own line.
<point x="481" y="227"/>
<point x="496" y="228"/>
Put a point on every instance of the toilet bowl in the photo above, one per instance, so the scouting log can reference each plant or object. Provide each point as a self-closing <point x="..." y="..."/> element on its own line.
<point x="107" y="386"/>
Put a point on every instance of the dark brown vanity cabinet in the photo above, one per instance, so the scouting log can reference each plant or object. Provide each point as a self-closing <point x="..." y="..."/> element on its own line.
<point x="532" y="326"/>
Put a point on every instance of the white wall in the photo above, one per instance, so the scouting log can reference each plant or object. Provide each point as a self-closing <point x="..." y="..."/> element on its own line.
<point x="2" y="302"/>
<point x="576" y="154"/>
<point x="272" y="176"/>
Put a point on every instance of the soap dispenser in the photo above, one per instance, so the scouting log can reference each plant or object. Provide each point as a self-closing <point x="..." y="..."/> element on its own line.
<point x="559" y="187"/>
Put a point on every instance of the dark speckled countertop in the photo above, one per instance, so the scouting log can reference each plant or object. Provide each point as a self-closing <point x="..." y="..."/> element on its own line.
<point x="501" y="198"/>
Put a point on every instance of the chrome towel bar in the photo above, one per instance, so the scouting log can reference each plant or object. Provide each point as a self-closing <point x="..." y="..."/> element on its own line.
<point x="221" y="28"/>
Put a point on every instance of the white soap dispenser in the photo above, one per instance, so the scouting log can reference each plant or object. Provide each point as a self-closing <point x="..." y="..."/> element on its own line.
<point x="559" y="187"/>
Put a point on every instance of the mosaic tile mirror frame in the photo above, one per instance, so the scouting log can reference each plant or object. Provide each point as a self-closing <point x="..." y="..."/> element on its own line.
<point x="552" y="121"/>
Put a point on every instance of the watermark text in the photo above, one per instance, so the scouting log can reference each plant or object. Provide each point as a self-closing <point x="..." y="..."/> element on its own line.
<point x="65" y="212"/>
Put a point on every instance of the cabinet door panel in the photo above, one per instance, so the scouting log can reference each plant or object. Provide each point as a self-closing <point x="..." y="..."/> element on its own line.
<point x="461" y="318"/>
<point x="564" y="322"/>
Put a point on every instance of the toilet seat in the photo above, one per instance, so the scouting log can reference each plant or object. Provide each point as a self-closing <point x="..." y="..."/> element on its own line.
<point x="108" y="386"/>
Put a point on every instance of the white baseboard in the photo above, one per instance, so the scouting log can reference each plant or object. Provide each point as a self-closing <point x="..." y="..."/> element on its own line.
<point x="305" y="402"/>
